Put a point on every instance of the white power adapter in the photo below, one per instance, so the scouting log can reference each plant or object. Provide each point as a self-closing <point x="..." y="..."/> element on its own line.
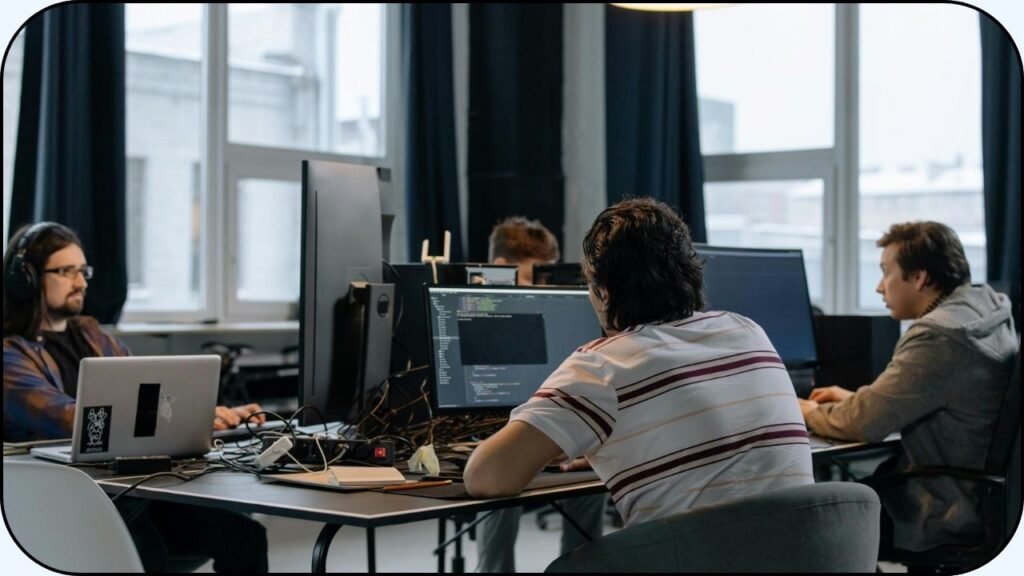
<point x="269" y="456"/>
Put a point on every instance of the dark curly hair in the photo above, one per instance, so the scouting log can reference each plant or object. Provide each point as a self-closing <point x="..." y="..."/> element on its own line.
<point x="931" y="247"/>
<point x="640" y="252"/>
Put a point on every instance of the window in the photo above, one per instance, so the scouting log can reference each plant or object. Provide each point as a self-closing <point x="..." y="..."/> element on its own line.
<point x="765" y="88"/>
<point x="766" y="105"/>
<point x="224" y="102"/>
<point x="307" y="76"/>
<point x="12" y="106"/>
<point x="920" y="130"/>
<point x="135" y="212"/>
<point x="269" y="230"/>
<point x="163" y="101"/>
<point x="784" y="165"/>
<point x="770" y="214"/>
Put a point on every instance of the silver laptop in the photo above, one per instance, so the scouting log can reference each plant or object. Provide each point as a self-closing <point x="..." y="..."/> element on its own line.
<point x="141" y="406"/>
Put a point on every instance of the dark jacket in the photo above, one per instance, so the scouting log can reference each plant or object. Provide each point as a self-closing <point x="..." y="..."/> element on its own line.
<point x="35" y="404"/>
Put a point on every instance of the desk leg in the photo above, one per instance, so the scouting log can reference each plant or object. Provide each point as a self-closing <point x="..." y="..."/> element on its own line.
<point x="371" y="550"/>
<point x="321" y="547"/>
<point x="458" y="562"/>
<point x="441" y="537"/>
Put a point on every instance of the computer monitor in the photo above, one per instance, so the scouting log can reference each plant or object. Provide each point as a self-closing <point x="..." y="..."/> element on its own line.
<point x="492" y="347"/>
<point x="560" y="274"/>
<point x="770" y="288"/>
<point x="459" y="273"/>
<point x="345" y="310"/>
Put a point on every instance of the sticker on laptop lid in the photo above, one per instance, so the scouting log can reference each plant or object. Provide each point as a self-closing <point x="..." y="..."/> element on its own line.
<point x="95" y="435"/>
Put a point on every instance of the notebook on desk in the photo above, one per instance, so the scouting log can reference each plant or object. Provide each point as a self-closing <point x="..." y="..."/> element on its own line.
<point x="141" y="406"/>
<point x="343" y="477"/>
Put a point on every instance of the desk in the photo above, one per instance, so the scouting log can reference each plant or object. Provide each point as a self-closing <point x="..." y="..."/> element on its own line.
<point x="366" y="509"/>
<point x="823" y="447"/>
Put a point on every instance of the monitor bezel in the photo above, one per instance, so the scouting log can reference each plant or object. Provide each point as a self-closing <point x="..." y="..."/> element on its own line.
<point x="432" y="385"/>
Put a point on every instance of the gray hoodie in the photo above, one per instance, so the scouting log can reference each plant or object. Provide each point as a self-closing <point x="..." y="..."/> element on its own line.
<point x="942" y="390"/>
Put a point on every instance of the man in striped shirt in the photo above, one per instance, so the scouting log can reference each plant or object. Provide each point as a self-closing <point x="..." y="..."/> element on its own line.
<point x="675" y="408"/>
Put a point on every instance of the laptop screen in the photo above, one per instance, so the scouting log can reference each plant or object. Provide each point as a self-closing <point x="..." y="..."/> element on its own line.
<point x="492" y="347"/>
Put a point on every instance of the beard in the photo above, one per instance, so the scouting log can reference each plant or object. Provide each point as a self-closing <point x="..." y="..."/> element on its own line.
<point x="69" y="309"/>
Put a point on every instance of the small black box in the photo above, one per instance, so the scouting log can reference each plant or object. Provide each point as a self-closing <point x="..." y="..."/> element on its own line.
<point x="853" y="350"/>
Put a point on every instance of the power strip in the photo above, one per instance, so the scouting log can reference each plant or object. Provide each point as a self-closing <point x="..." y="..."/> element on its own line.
<point x="305" y="450"/>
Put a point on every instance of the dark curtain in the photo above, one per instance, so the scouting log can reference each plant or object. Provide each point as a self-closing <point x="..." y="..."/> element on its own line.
<point x="70" y="157"/>
<point x="432" y="188"/>
<point x="1001" y="155"/>
<point x="515" y="118"/>
<point x="653" y="142"/>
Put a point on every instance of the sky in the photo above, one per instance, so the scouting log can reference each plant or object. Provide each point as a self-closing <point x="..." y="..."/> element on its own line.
<point x="13" y="14"/>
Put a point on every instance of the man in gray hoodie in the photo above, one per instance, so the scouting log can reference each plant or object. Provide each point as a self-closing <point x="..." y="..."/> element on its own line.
<point x="942" y="389"/>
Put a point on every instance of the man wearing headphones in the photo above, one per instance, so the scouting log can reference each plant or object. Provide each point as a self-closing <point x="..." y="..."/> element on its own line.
<point x="45" y="338"/>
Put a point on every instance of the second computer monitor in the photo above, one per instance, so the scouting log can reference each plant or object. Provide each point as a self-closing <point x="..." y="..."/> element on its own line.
<point x="561" y="274"/>
<point x="770" y="288"/>
<point x="492" y="347"/>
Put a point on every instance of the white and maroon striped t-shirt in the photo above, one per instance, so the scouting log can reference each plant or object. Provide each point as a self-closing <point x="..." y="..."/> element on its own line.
<point x="677" y="415"/>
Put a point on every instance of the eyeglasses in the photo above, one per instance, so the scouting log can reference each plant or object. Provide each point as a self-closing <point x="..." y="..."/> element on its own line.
<point x="72" y="272"/>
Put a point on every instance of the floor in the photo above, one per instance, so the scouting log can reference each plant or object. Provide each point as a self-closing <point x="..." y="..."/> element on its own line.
<point x="403" y="548"/>
<point x="408" y="547"/>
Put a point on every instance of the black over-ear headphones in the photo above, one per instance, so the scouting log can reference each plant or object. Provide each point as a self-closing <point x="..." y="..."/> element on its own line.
<point x="20" y="276"/>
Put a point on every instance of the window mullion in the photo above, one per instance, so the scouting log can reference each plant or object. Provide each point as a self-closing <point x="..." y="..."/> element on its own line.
<point x="844" y="210"/>
<point x="214" y="118"/>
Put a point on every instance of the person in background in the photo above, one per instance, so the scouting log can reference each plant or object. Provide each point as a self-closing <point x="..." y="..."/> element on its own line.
<point x="45" y="337"/>
<point x="674" y="408"/>
<point x="516" y="240"/>
<point x="524" y="243"/>
<point x="942" y="390"/>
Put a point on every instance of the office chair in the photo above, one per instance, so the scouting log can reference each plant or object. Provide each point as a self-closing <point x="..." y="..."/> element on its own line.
<point x="63" y="520"/>
<point x="998" y="489"/>
<point x="832" y="526"/>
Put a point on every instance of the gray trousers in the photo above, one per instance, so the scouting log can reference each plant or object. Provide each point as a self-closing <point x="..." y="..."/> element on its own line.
<point x="496" y="535"/>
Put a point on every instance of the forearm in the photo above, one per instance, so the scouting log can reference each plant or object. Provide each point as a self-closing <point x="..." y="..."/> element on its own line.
<point x="505" y="463"/>
<point x="42" y="413"/>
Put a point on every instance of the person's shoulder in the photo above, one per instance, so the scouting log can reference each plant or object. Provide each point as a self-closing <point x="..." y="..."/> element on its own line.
<point x="15" y="342"/>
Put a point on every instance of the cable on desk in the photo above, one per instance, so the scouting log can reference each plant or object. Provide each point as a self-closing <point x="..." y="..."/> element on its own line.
<point x="147" y="479"/>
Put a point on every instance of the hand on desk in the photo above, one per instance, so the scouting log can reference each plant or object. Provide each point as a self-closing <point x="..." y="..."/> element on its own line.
<point x="225" y="417"/>
<point x="575" y="465"/>
<point x="806" y="406"/>
<point x="830" y="394"/>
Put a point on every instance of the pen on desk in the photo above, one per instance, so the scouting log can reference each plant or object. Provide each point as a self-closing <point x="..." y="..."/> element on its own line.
<point x="413" y="485"/>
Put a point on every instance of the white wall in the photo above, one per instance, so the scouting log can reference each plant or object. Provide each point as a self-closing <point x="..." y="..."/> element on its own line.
<point x="583" y="123"/>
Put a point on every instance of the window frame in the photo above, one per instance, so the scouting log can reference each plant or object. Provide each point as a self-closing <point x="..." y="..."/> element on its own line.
<point x="818" y="164"/>
<point x="223" y="163"/>
<point x="839" y="166"/>
<point x="831" y="165"/>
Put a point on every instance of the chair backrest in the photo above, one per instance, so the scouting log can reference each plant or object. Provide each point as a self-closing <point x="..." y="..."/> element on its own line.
<point x="1007" y="426"/>
<point x="64" y="521"/>
<point x="832" y="526"/>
